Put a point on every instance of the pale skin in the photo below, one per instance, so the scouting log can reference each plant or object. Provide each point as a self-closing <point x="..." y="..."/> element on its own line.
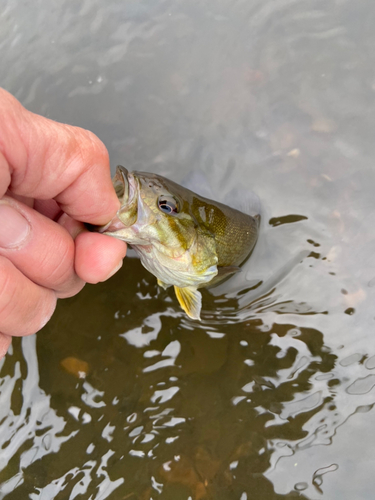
<point x="53" y="178"/>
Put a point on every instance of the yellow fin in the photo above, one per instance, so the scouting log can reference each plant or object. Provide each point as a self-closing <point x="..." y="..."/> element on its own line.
<point x="190" y="300"/>
<point x="162" y="284"/>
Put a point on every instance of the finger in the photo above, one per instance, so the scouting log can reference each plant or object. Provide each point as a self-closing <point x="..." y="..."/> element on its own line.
<point x="49" y="208"/>
<point x="5" y="341"/>
<point x="26" y="200"/>
<point x="40" y="248"/>
<point x="5" y="177"/>
<point x="24" y="306"/>
<point x="98" y="256"/>
<point x="74" y="227"/>
<point x="52" y="160"/>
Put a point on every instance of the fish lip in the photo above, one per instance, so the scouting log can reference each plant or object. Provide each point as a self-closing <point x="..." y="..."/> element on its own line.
<point x="132" y="190"/>
<point x="121" y="184"/>
<point x="125" y="185"/>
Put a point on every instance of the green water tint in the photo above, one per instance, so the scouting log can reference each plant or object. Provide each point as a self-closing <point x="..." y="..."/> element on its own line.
<point x="171" y="411"/>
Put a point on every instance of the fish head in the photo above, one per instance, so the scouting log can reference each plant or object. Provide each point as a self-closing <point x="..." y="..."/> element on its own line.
<point x="157" y="220"/>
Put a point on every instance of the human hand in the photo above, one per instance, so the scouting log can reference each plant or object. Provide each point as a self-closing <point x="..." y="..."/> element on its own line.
<point x="53" y="177"/>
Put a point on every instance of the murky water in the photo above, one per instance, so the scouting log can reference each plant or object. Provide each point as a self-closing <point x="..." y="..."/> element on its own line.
<point x="271" y="396"/>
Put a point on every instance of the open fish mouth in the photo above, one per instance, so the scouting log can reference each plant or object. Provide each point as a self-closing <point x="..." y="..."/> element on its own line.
<point x="126" y="189"/>
<point x="121" y="184"/>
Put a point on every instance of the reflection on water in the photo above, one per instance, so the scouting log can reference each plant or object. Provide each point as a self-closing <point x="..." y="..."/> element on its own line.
<point x="271" y="395"/>
<point x="152" y="403"/>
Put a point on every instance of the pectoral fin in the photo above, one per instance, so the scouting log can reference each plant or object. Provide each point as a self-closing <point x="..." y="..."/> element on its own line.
<point x="190" y="300"/>
<point x="162" y="284"/>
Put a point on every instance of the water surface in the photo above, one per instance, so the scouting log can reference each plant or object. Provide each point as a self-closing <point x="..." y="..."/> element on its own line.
<point x="271" y="396"/>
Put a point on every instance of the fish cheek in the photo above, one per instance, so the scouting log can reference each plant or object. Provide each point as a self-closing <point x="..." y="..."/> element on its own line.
<point x="204" y="255"/>
<point x="127" y="217"/>
<point x="177" y="233"/>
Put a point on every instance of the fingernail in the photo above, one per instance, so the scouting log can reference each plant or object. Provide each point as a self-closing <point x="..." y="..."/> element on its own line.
<point x="114" y="271"/>
<point x="14" y="228"/>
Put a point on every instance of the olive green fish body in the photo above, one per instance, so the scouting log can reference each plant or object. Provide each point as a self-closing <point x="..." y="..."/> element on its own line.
<point x="185" y="240"/>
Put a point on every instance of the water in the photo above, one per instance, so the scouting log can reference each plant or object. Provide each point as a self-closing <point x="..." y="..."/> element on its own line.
<point x="271" y="396"/>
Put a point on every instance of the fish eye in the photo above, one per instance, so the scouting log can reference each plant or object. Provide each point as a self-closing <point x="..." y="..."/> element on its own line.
<point x="168" y="204"/>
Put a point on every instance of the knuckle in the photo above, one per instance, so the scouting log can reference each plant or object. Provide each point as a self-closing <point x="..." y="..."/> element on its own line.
<point x="97" y="145"/>
<point x="90" y="149"/>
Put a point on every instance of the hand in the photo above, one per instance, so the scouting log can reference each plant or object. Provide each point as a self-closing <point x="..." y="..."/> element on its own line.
<point x="53" y="177"/>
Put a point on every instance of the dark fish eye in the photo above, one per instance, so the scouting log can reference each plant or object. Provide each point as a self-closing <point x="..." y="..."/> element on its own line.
<point x="168" y="204"/>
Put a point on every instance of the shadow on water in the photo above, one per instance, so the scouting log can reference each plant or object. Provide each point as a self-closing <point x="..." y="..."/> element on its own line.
<point x="148" y="404"/>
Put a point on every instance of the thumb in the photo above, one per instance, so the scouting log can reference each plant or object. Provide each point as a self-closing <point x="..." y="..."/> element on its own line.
<point x="38" y="247"/>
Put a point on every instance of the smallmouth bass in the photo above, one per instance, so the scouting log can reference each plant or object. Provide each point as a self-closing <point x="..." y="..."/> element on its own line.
<point x="185" y="240"/>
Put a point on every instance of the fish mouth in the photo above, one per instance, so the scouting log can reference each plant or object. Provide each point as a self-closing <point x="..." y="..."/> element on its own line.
<point x="121" y="184"/>
<point x="126" y="187"/>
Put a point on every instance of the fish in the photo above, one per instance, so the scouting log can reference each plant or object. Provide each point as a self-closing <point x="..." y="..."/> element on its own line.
<point x="185" y="240"/>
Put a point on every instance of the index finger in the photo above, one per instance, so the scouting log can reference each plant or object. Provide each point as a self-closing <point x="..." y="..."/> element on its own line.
<point x="43" y="159"/>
